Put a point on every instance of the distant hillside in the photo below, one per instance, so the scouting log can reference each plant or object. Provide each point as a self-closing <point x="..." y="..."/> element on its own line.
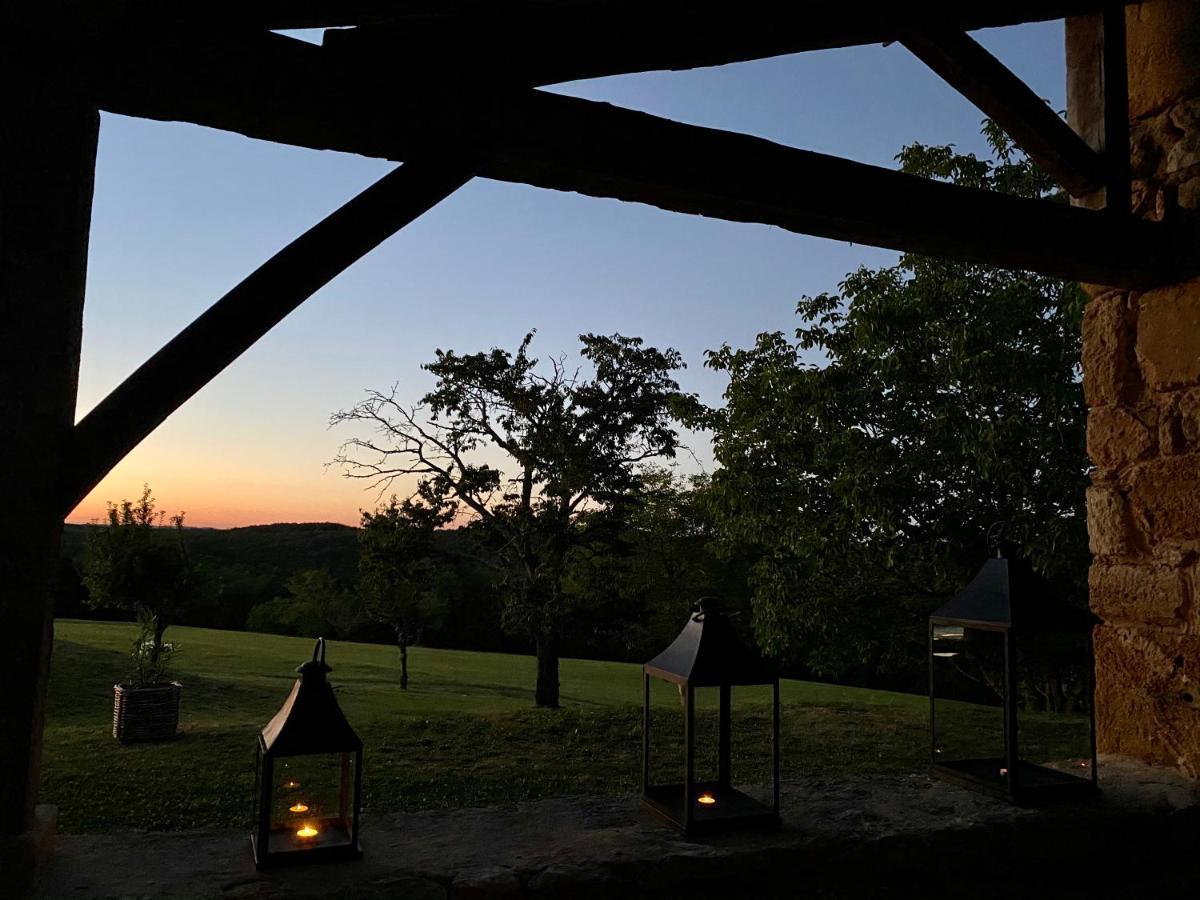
<point x="243" y="567"/>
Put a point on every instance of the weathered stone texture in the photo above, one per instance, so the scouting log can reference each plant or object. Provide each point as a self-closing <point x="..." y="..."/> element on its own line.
<point x="1168" y="336"/>
<point x="1164" y="498"/>
<point x="1148" y="705"/>
<point x="1138" y="593"/>
<point x="1141" y="363"/>
<point x="1110" y="373"/>
<point x="1164" y="54"/>
<point x="1110" y="525"/>
<point x="1116" y="437"/>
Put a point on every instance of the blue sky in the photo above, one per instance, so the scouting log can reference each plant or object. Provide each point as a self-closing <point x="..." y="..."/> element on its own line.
<point x="183" y="213"/>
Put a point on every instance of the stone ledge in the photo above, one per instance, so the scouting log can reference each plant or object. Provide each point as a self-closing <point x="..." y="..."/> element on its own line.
<point x="875" y="837"/>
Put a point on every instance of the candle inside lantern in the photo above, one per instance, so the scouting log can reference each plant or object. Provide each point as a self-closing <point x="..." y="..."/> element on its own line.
<point x="307" y="831"/>
<point x="706" y="799"/>
<point x="1003" y="773"/>
<point x="292" y="785"/>
<point x="298" y="808"/>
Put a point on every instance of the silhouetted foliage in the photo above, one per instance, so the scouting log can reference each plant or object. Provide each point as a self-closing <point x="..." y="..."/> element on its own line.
<point x="948" y="399"/>
<point x="572" y="447"/>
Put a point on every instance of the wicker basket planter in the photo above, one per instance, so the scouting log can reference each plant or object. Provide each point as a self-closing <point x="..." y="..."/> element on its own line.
<point x="146" y="713"/>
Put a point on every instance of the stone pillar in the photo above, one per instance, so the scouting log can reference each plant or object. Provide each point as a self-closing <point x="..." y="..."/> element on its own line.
<point x="47" y="157"/>
<point x="1141" y="365"/>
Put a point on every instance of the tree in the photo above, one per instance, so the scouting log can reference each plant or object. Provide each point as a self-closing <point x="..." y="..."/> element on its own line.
<point x="949" y="399"/>
<point x="571" y="446"/>
<point x="398" y="569"/>
<point x="138" y="562"/>
<point x="316" y="605"/>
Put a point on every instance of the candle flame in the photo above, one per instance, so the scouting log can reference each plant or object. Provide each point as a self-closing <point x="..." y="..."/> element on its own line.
<point x="1004" y="772"/>
<point x="298" y="808"/>
<point x="306" y="832"/>
<point x="706" y="799"/>
<point x="292" y="784"/>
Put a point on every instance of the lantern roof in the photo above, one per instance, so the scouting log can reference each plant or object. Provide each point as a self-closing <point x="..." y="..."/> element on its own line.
<point x="1008" y="593"/>
<point x="310" y="720"/>
<point x="709" y="653"/>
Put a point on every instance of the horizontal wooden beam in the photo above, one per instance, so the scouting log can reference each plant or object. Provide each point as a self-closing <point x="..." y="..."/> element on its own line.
<point x="635" y="15"/>
<point x="231" y="326"/>
<point x="561" y="143"/>
<point x="545" y="43"/>
<point x="1006" y="99"/>
<point x="605" y="151"/>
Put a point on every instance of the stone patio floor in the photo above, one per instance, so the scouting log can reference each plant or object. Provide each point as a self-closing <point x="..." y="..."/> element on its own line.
<point x="867" y="837"/>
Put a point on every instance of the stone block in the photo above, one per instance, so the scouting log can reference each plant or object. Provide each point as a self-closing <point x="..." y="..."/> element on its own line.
<point x="1189" y="418"/>
<point x="1148" y="695"/>
<point x="1164" y="498"/>
<point x="1110" y="526"/>
<point x="1185" y="116"/>
<point x="1110" y="374"/>
<point x="1184" y="154"/>
<point x="1168" y="336"/>
<point x="1164" y="54"/>
<point x="1115" y="437"/>
<point x="1138" y="593"/>
<point x="1188" y="194"/>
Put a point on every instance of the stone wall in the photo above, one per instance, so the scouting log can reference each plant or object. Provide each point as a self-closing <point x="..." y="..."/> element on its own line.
<point x="1141" y="367"/>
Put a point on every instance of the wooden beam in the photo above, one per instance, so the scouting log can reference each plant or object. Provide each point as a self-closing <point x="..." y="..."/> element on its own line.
<point x="227" y="329"/>
<point x="1002" y="96"/>
<point x="1117" y="186"/>
<point x="600" y="150"/>
<point x="544" y="43"/>
<point x="551" y="141"/>
<point x="47" y="161"/>
<point x="634" y="15"/>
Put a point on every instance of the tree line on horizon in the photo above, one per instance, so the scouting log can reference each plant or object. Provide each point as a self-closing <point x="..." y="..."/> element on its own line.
<point x="851" y="497"/>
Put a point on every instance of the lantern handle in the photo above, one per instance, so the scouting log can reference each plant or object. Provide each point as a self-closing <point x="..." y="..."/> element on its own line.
<point x="706" y="605"/>
<point x="995" y="536"/>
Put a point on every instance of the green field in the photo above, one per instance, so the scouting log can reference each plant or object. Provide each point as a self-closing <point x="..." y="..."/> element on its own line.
<point x="465" y="733"/>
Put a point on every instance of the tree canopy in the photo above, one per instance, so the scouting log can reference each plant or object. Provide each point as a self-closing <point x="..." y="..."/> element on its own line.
<point x="538" y="457"/>
<point x="864" y="459"/>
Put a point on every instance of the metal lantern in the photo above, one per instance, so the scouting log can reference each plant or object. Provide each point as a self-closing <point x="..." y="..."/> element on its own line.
<point x="1010" y="688"/>
<point x="309" y="776"/>
<point x="708" y="654"/>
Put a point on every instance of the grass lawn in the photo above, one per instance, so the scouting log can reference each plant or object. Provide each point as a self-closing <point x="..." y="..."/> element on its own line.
<point x="465" y="733"/>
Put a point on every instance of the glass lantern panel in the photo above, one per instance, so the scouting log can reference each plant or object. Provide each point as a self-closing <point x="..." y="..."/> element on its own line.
<point x="752" y="742"/>
<point x="968" y="690"/>
<point x="312" y="802"/>
<point x="1053" y="702"/>
<point x="667" y="758"/>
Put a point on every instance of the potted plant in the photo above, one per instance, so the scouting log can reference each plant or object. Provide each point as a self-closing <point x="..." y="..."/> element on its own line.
<point x="138" y="562"/>
<point x="146" y="706"/>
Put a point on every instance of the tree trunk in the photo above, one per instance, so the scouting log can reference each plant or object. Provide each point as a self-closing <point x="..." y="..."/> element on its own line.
<point x="546" y="692"/>
<point x="47" y="148"/>
<point x="156" y="650"/>
<point x="402" y="642"/>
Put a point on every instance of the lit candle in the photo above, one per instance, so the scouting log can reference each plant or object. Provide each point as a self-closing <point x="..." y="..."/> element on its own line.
<point x="298" y="808"/>
<point x="307" y="831"/>
<point x="1003" y="773"/>
<point x="292" y="785"/>
<point x="706" y="799"/>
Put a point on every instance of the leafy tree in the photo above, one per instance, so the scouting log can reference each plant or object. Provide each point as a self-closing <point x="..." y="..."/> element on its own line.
<point x="316" y="605"/>
<point x="948" y="399"/>
<point x="532" y="456"/>
<point x="138" y="562"/>
<point x="398" y="569"/>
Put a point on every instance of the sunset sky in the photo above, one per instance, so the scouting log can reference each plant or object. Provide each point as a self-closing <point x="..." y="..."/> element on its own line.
<point x="183" y="213"/>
